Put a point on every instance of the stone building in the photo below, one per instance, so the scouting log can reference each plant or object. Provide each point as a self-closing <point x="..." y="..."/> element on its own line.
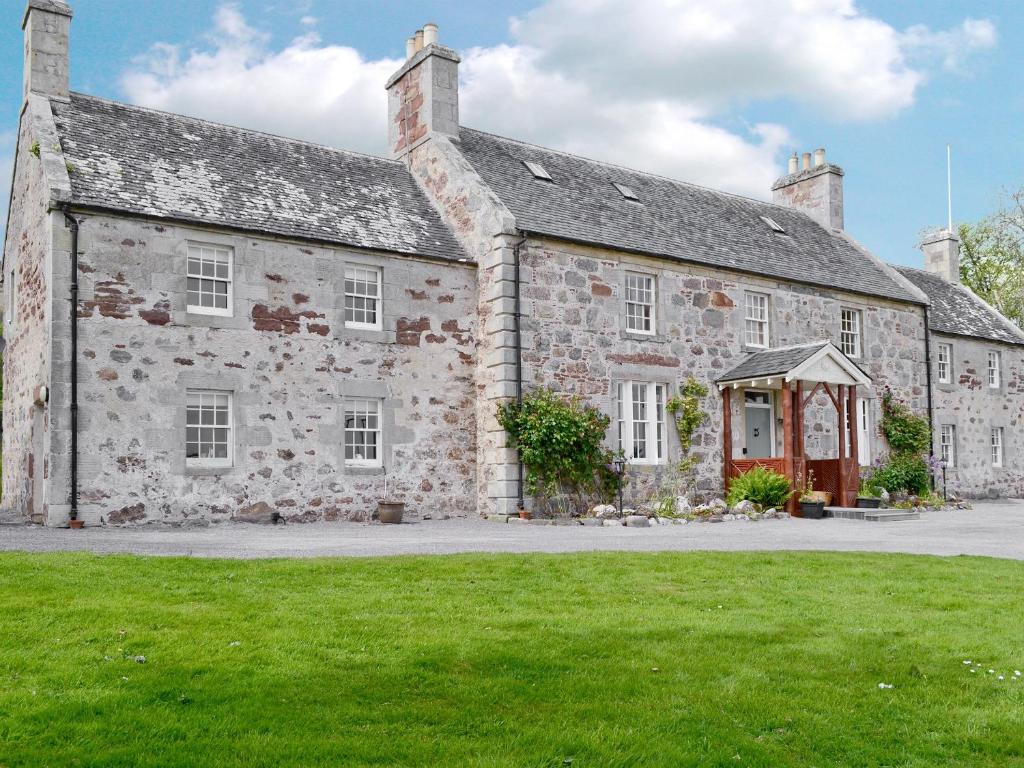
<point x="262" y="324"/>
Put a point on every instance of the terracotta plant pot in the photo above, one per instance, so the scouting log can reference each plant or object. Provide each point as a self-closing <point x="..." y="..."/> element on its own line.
<point x="76" y="524"/>
<point x="823" y="496"/>
<point x="390" y="511"/>
<point x="525" y="515"/>
<point x="812" y="510"/>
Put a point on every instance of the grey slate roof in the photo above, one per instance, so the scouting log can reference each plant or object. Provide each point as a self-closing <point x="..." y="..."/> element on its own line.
<point x="672" y="219"/>
<point x="158" y="164"/>
<point x="772" y="362"/>
<point x="956" y="310"/>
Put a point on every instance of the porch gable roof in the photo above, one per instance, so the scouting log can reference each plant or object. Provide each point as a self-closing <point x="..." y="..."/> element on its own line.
<point x="818" y="361"/>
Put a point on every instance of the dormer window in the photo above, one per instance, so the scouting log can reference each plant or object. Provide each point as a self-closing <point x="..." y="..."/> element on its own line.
<point x="537" y="170"/>
<point x="625" y="191"/>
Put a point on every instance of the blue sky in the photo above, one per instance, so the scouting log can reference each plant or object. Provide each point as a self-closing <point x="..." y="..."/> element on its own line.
<point x="718" y="92"/>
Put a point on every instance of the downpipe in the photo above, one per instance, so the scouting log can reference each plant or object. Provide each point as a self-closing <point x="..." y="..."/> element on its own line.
<point x="73" y="224"/>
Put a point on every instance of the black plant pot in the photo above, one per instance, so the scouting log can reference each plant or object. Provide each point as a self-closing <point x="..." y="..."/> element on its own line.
<point x="812" y="510"/>
<point x="867" y="502"/>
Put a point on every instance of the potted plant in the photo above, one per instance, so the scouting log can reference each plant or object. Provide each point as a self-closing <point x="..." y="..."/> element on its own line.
<point x="389" y="510"/>
<point x="76" y="523"/>
<point x="525" y="514"/>
<point x="868" y="496"/>
<point x="812" y="506"/>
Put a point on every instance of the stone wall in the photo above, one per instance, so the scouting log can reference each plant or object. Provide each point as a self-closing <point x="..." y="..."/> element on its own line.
<point x="575" y="339"/>
<point x="974" y="408"/>
<point x="289" y="362"/>
<point x="26" y="357"/>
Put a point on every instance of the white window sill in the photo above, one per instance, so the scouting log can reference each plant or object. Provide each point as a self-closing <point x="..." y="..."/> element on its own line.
<point x="214" y="311"/>
<point x="363" y="326"/>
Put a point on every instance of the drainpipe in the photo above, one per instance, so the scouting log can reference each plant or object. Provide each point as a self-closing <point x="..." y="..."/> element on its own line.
<point x="519" y="359"/>
<point x="928" y="382"/>
<point x="72" y="222"/>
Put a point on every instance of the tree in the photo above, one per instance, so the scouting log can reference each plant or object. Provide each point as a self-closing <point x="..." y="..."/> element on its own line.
<point x="992" y="257"/>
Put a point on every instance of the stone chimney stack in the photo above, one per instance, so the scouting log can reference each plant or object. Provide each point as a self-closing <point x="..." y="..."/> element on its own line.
<point x="423" y="95"/>
<point x="816" y="188"/>
<point x="942" y="254"/>
<point x="47" y="27"/>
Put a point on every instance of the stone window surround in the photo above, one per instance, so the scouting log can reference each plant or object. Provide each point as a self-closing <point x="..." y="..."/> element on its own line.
<point x="391" y="433"/>
<point x="994" y="430"/>
<point x="219" y="382"/>
<point x="661" y="307"/>
<point x="648" y="375"/>
<point x="651" y="421"/>
<point x="997" y="369"/>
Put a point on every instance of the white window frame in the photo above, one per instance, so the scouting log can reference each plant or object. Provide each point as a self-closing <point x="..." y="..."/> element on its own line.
<point x="995" y="373"/>
<point x="996" y="442"/>
<point x="360" y="406"/>
<point x="652" y="427"/>
<point x="756" y="324"/>
<point x="11" y="298"/>
<point x="357" y="273"/>
<point x="947" y="444"/>
<point x="203" y="395"/>
<point x="851" y="332"/>
<point x="195" y="253"/>
<point x="943" y="363"/>
<point x="641" y="294"/>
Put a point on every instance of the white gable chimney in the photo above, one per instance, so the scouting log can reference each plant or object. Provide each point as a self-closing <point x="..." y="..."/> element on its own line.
<point x="423" y="95"/>
<point x="47" y="26"/>
<point x="816" y="189"/>
<point x="942" y="254"/>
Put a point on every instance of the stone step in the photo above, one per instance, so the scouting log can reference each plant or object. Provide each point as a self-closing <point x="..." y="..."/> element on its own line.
<point x="890" y="515"/>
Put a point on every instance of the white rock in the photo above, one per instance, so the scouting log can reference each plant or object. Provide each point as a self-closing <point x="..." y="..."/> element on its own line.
<point x="744" y="507"/>
<point x="637" y="521"/>
<point x="612" y="523"/>
<point x="604" y="511"/>
<point x="728" y="516"/>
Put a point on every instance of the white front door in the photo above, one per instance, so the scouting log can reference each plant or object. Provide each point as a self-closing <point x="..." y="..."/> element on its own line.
<point x="759" y="416"/>
<point x="863" y="432"/>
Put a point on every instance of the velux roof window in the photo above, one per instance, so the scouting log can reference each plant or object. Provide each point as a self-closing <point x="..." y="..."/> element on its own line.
<point x="625" y="191"/>
<point x="775" y="226"/>
<point x="537" y="170"/>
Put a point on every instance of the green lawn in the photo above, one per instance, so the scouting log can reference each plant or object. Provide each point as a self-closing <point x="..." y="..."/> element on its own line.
<point x="506" y="660"/>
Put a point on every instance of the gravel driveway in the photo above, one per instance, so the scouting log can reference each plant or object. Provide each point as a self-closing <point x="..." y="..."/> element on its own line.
<point x="993" y="528"/>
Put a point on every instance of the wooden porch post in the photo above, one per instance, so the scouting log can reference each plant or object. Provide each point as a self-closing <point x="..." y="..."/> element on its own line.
<point x="854" y="426"/>
<point x="798" y="417"/>
<point x="841" y="408"/>
<point x="726" y="437"/>
<point x="787" y="441"/>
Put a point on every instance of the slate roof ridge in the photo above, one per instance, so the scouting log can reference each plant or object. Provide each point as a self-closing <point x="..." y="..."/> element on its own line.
<point x="239" y="128"/>
<point x="616" y="166"/>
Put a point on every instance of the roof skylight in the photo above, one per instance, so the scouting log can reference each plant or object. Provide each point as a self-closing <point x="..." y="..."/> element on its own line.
<point x="625" y="191"/>
<point x="537" y="170"/>
<point x="776" y="227"/>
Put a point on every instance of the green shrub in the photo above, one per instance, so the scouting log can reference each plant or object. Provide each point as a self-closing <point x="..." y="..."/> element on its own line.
<point x="761" y="486"/>
<point x="904" y="430"/>
<point x="902" y="472"/>
<point x="561" y="443"/>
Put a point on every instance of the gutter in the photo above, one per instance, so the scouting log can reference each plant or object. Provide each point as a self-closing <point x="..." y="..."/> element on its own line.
<point x="72" y="222"/>
<point x="928" y="384"/>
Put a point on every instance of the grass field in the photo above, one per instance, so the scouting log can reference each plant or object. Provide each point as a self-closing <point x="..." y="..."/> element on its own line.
<point x="506" y="660"/>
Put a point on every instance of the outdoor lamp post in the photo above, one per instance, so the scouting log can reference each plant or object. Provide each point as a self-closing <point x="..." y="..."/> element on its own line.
<point x="619" y="466"/>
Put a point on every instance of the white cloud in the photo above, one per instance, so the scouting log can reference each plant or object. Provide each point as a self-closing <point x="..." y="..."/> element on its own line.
<point x="648" y="83"/>
<point x="953" y="47"/>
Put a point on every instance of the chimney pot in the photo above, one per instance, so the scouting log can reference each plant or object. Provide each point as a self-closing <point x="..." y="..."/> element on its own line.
<point x="418" y="37"/>
<point x="819" y="157"/>
<point x="794" y="164"/>
<point x="410" y="47"/>
<point x="806" y="164"/>
<point x="430" y="34"/>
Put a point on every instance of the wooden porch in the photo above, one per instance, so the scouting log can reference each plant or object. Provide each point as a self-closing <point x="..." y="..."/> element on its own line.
<point x="798" y="374"/>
